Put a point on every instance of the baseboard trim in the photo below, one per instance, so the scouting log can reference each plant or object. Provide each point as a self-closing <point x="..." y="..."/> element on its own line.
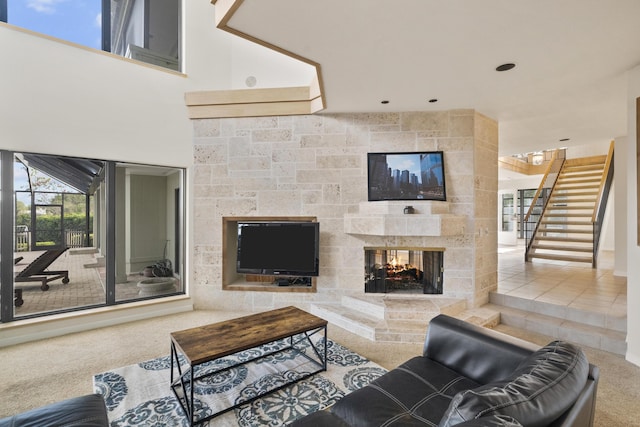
<point x="23" y="331"/>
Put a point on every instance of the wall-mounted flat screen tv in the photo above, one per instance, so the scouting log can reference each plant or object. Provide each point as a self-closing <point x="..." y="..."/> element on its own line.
<point x="406" y="176"/>
<point x="287" y="248"/>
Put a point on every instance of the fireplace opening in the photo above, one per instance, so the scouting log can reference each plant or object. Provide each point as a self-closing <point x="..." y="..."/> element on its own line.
<point x="398" y="270"/>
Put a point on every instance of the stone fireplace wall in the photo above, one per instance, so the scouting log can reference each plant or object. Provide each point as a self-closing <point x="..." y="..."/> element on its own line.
<point x="316" y="166"/>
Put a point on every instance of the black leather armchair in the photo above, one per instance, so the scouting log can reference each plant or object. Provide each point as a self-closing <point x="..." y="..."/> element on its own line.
<point x="473" y="376"/>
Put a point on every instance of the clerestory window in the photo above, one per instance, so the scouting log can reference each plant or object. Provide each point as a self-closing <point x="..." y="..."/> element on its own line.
<point x="144" y="30"/>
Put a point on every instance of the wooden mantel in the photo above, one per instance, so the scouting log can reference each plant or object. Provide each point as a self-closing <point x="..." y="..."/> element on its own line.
<point x="431" y="219"/>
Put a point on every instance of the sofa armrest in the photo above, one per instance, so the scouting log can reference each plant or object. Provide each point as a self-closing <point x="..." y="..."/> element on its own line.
<point x="85" y="411"/>
<point x="583" y="411"/>
<point x="478" y="353"/>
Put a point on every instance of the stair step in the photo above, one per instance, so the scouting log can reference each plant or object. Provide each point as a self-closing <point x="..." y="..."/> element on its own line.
<point x="564" y="248"/>
<point x="567" y="215"/>
<point x="564" y="180"/>
<point x="554" y="222"/>
<point x="594" y="329"/>
<point x="575" y="167"/>
<point x="83" y="251"/>
<point x="582" y="168"/>
<point x="600" y="319"/>
<point x="351" y="320"/>
<point x="567" y="186"/>
<point x="371" y="327"/>
<point x="564" y="230"/>
<point x="570" y="199"/>
<point x="569" y="207"/>
<point x="560" y="193"/>
<point x="584" y="174"/>
<point x="563" y="239"/>
<point x="403" y="307"/>
<point x="396" y="330"/>
<point x="554" y="257"/>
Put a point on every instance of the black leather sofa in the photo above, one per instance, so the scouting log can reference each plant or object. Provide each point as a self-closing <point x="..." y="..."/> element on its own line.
<point x="83" y="411"/>
<point x="473" y="376"/>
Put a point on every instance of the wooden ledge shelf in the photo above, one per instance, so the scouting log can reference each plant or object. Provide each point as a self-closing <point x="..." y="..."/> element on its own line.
<point x="268" y="287"/>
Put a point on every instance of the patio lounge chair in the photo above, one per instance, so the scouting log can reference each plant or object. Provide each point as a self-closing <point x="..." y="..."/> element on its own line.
<point x="37" y="271"/>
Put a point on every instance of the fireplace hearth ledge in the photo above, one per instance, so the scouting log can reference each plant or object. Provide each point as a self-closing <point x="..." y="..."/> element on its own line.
<point x="385" y="218"/>
<point x="399" y="319"/>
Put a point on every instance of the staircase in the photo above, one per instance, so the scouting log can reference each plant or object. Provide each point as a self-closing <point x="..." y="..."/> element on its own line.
<point x="565" y="231"/>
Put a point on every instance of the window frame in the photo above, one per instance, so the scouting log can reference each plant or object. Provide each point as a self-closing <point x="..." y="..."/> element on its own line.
<point x="106" y="31"/>
<point x="7" y="219"/>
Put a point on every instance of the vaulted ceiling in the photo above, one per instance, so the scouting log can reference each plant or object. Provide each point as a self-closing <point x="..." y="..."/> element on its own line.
<point x="571" y="57"/>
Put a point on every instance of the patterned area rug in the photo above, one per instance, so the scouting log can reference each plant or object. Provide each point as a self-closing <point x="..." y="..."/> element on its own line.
<point x="140" y="394"/>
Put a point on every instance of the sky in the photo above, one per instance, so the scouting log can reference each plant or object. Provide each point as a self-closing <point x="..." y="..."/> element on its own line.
<point x="78" y="21"/>
<point x="410" y="162"/>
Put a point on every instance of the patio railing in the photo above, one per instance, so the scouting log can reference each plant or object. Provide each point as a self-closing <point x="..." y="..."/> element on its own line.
<point x="72" y="239"/>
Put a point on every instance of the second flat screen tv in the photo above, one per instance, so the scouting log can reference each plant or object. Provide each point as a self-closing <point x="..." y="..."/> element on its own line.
<point x="287" y="248"/>
<point x="406" y="176"/>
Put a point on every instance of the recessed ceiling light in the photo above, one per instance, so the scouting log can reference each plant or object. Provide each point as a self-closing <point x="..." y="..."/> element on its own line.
<point x="505" y="67"/>
<point x="384" y="102"/>
<point x="432" y="100"/>
<point x="564" y="139"/>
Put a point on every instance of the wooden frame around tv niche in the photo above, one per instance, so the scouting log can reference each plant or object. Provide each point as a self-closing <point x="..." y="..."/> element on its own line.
<point x="234" y="281"/>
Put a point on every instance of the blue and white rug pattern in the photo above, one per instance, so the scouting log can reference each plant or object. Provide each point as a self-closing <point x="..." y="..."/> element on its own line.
<point x="140" y="394"/>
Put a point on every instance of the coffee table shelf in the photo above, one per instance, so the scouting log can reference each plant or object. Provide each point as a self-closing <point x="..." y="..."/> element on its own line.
<point x="211" y="342"/>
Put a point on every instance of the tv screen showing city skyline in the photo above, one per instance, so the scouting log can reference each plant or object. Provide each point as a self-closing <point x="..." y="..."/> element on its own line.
<point x="406" y="176"/>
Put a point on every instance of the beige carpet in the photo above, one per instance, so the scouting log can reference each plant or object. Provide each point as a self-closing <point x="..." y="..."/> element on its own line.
<point x="46" y="371"/>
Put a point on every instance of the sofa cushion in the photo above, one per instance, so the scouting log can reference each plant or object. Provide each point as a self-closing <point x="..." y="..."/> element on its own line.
<point x="418" y="392"/>
<point x="321" y="418"/>
<point x="542" y="387"/>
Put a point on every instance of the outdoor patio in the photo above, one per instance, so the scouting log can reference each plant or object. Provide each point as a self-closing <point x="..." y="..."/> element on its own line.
<point x="85" y="287"/>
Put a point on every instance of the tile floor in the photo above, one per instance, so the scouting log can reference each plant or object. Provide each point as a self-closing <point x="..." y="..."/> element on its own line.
<point x="570" y="284"/>
<point x="85" y="287"/>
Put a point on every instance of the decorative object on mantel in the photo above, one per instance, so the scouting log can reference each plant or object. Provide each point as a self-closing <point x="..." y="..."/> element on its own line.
<point x="408" y="210"/>
<point x="406" y="176"/>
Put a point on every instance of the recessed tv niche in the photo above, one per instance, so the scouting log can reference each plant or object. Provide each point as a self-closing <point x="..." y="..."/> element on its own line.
<point x="406" y="176"/>
<point x="288" y="248"/>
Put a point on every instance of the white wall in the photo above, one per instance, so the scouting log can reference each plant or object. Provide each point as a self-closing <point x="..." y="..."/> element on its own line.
<point x="621" y="201"/>
<point x="577" y="151"/>
<point x="633" y="251"/>
<point x="251" y="59"/>
<point x="60" y="98"/>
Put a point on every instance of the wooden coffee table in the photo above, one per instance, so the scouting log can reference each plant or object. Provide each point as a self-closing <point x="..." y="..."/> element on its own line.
<point x="207" y="343"/>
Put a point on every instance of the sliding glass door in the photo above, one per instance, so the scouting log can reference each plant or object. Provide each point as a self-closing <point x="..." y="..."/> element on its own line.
<point x="87" y="233"/>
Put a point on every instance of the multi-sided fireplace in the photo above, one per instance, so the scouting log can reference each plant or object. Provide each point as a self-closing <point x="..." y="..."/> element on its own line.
<point x="403" y="270"/>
